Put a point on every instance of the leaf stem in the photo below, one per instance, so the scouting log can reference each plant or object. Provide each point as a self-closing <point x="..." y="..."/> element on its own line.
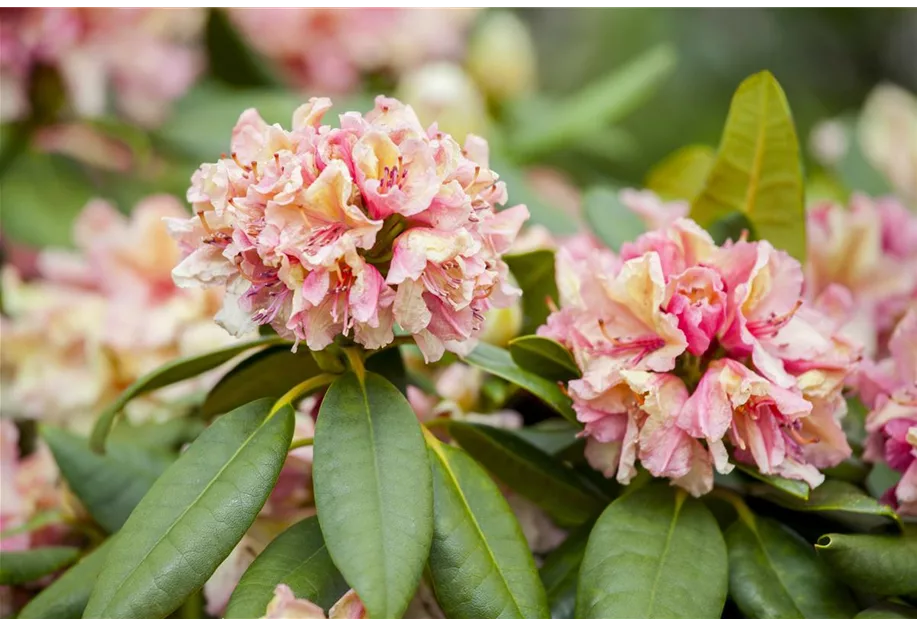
<point x="747" y="516"/>
<point x="300" y="443"/>
<point x="306" y="387"/>
<point x="354" y="356"/>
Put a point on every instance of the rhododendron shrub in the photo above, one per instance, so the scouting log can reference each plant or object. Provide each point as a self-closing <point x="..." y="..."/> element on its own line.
<point x="355" y="378"/>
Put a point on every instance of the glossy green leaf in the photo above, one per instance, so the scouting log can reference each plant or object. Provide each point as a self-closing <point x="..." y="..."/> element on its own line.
<point x="270" y="373"/>
<point x="732" y="227"/>
<point x="552" y="436"/>
<point x="479" y="562"/>
<point x="560" y="572"/>
<point x="497" y="361"/>
<point x="611" y="221"/>
<point x="889" y="610"/>
<point x="682" y="174"/>
<point x="758" y="170"/>
<point x="167" y="374"/>
<point x="880" y="565"/>
<point x="297" y="558"/>
<point x="528" y="471"/>
<point x="654" y="553"/>
<point x="18" y="567"/>
<point x="544" y="357"/>
<point x="534" y="272"/>
<point x="110" y="485"/>
<point x="600" y="104"/>
<point x="773" y="573"/>
<point x="67" y="596"/>
<point x="38" y="213"/>
<point x="793" y="487"/>
<point x="373" y="490"/>
<point x="831" y="497"/>
<point x="390" y="365"/>
<point x="194" y="515"/>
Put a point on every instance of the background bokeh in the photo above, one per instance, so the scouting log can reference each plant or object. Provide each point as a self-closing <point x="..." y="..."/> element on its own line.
<point x="55" y="157"/>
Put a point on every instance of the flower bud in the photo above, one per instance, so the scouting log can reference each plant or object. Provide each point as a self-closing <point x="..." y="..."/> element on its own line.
<point x="501" y="56"/>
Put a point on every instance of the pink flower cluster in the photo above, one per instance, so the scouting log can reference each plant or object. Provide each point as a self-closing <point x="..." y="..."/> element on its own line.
<point x="323" y="231"/>
<point x="889" y="389"/>
<point x="147" y="57"/>
<point x="329" y="50"/>
<point x="870" y="249"/>
<point x="693" y="353"/>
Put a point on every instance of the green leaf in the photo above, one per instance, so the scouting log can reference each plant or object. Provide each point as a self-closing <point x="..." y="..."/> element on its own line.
<point x="773" y="573"/>
<point x="167" y="374"/>
<point x="480" y="562"/>
<point x="268" y="373"/>
<point x="600" y="104"/>
<point x="880" y="565"/>
<point x="682" y="174"/>
<point x="654" y="553"/>
<point x="552" y="436"/>
<point x="611" y="221"/>
<point x="534" y="272"/>
<point x="889" y="609"/>
<point x="793" y="487"/>
<point x="111" y="485"/>
<point x="373" y="490"/>
<point x="297" y="558"/>
<point x="230" y="59"/>
<point x="831" y="497"/>
<point x="758" y="171"/>
<point x="732" y="227"/>
<point x="194" y="515"/>
<point x="41" y="196"/>
<point x="18" y="567"/>
<point x="561" y="570"/>
<point x="497" y="361"/>
<point x="528" y="471"/>
<point x="67" y="596"/>
<point x="544" y="357"/>
<point x="390" y="365"/>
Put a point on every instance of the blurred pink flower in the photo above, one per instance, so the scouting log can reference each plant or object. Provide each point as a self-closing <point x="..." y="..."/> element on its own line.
<point x="656" y="213"/>
<point x="330" y="50"/>
<point x="100" y="317"/>
<point x="892" y="423"/>
<point x="286" y="605"/>
<point x="869" y="248"/>
<point x="322" y="232"/>
<point x="675" y="313"/>
<point x="147" y="57"/>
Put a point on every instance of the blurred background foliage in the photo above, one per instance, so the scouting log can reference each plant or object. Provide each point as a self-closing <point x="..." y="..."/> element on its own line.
<point x="617" y="91"/>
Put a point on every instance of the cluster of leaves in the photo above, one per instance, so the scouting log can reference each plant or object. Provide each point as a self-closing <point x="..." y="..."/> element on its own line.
<point x="398" y="501"/>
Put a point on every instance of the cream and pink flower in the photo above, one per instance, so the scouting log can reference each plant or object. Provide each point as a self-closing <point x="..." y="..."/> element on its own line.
<point x="693" y="353"/>
<point x="331" y="50"/>
<point x="285" y="605"/>
<point x="100" y="317"/>
<point x="146" y="57"/>
<point x="869" y="248"/>
<point x="324" y="232"/>
<point x="892" y="423"/>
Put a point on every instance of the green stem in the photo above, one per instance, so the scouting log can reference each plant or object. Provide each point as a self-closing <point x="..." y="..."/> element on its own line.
<point x="400" y="340"/>
<point x="747" y="516"/>
<point x="306" y="387"/>
<point x="300" y="443"/>
<point x="354" y="356"/>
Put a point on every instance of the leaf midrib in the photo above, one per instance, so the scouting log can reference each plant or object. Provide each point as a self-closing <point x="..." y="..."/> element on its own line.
<point x="665" y="551"/>
<point x="480" y="532"/>
<point x="378" y="491"/>
<point x="162" y="537"/>
<point x="770" y="564"/>
<point x="754" y="175"/>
